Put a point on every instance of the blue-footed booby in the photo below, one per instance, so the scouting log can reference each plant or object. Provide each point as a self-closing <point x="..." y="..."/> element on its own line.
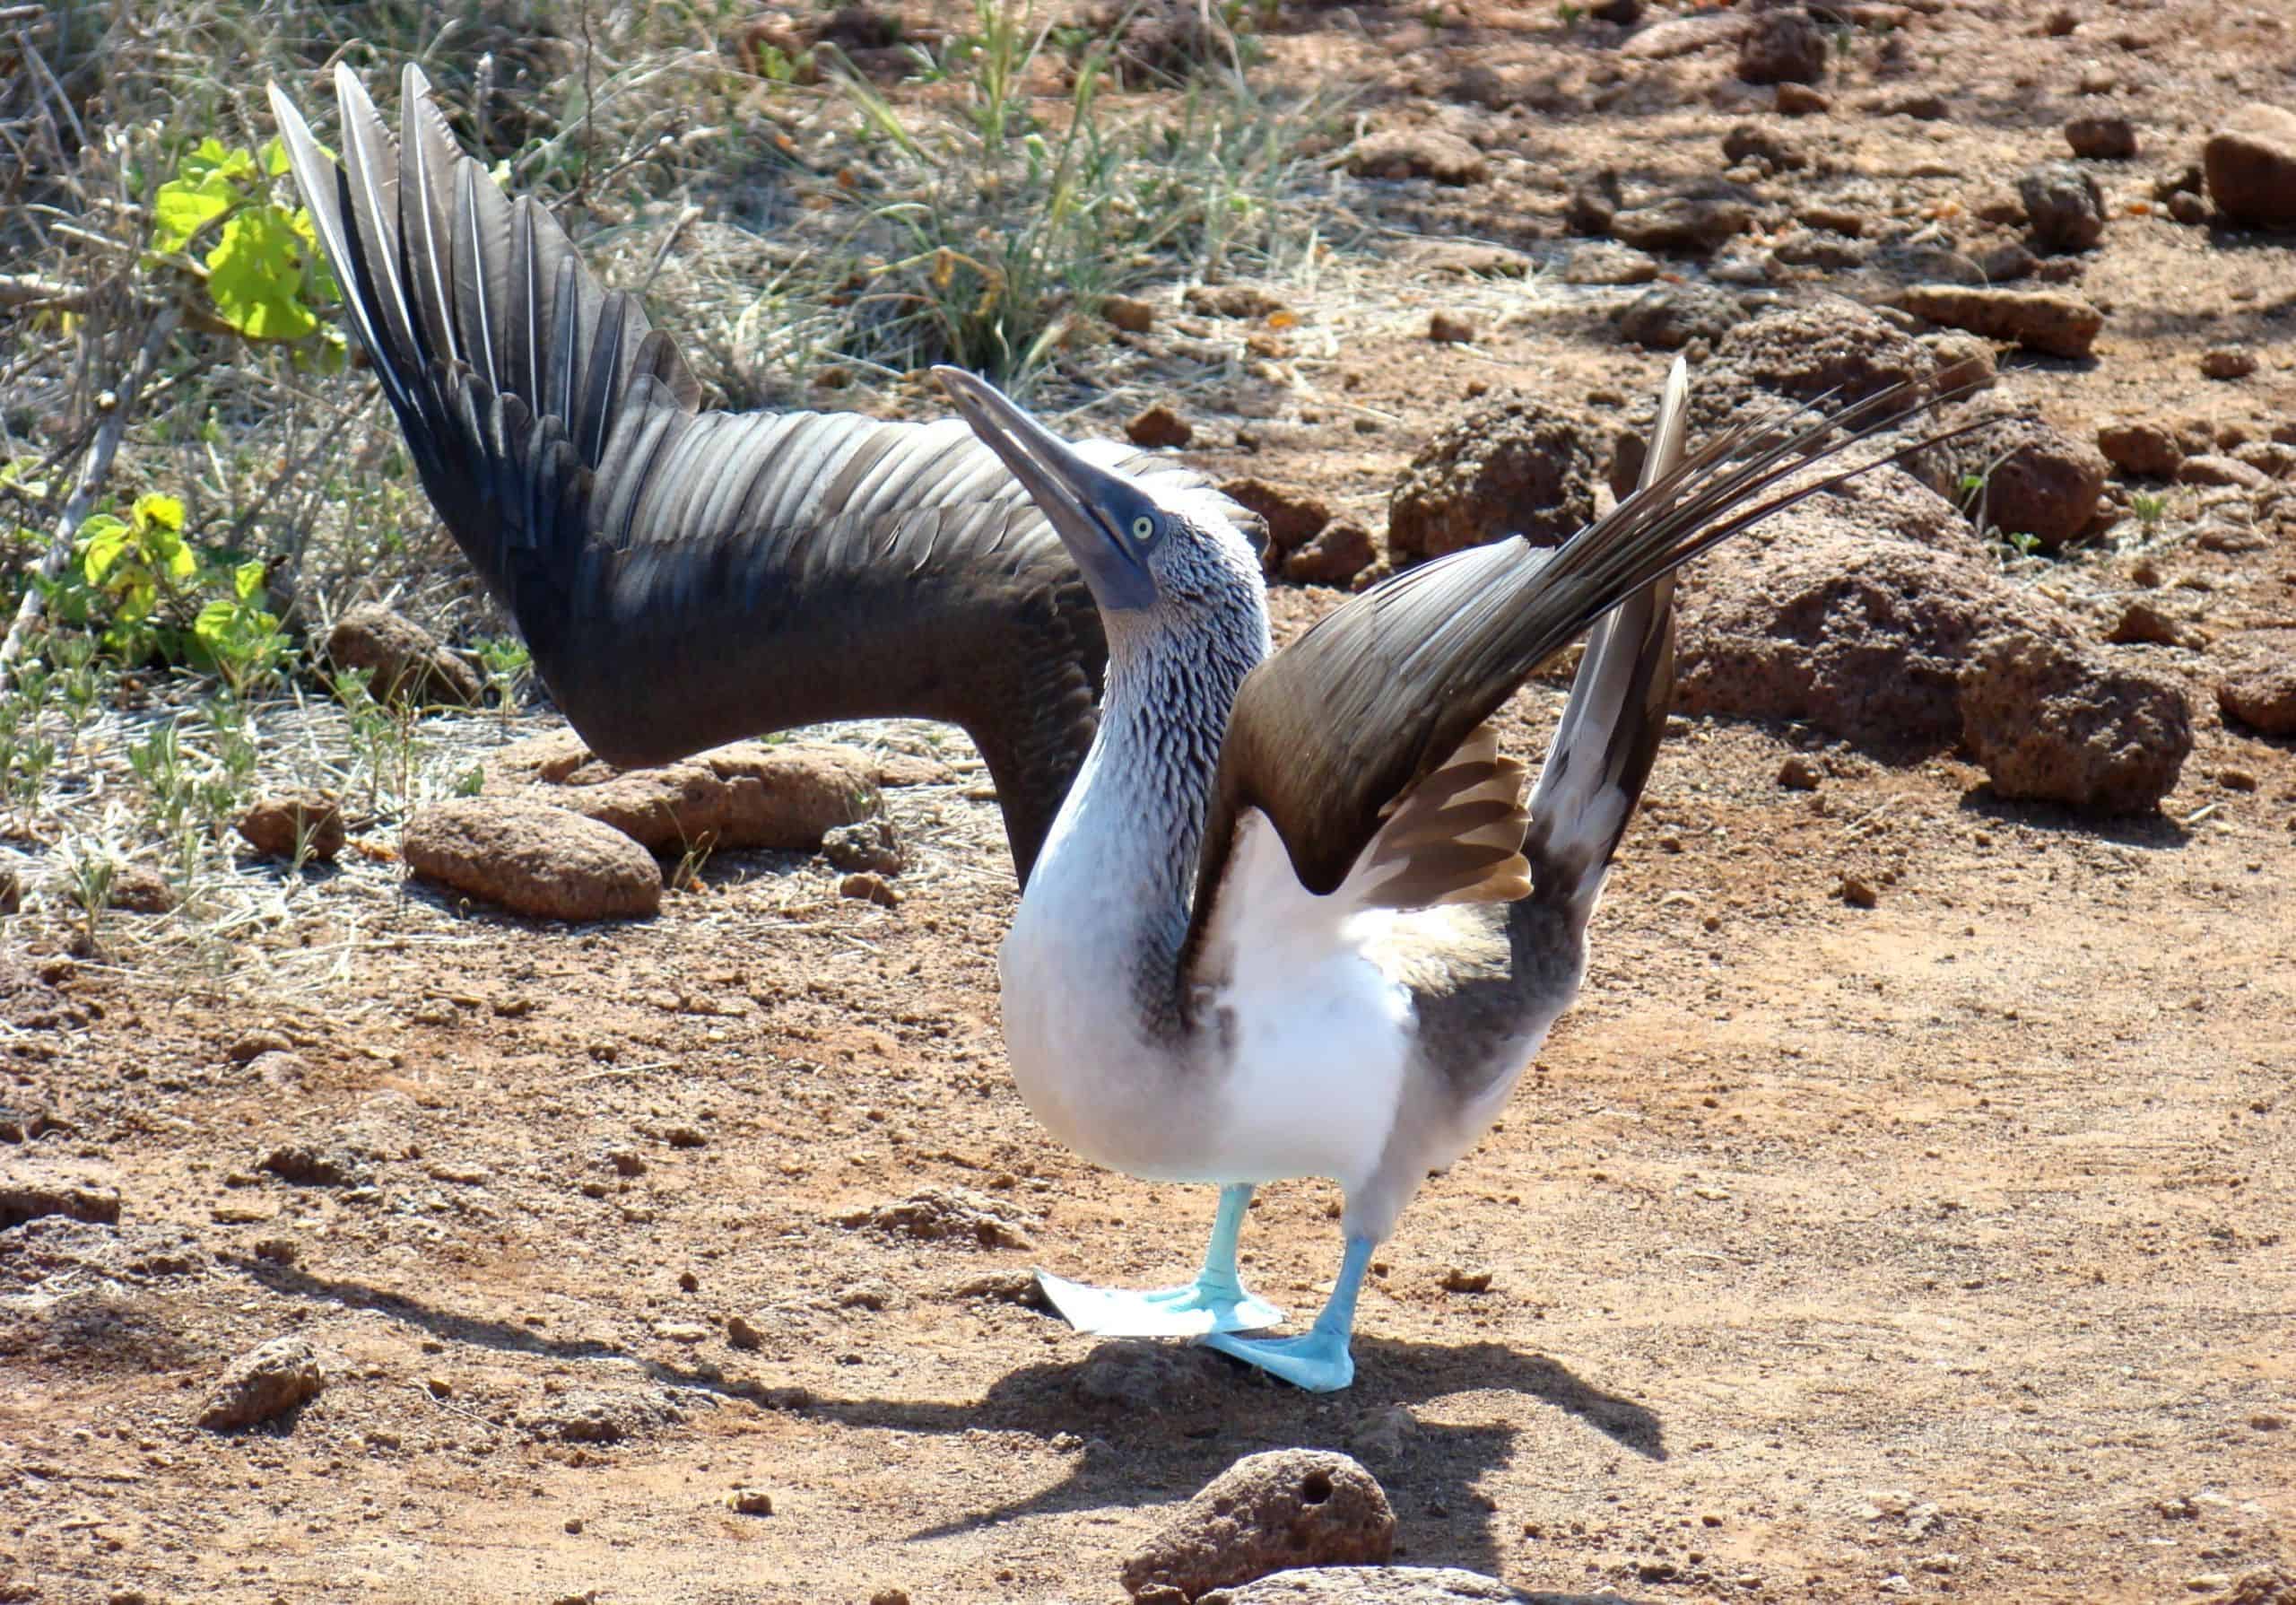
<point x="1295" y="915"/>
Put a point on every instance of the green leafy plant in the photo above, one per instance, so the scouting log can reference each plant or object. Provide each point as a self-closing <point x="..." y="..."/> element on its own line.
<point x="264" y="273"/>
<point x="238" y="638"/>
<point x="2150" y="508"/>
<point x="133" y="564"/>
<point x="507" y="663"/>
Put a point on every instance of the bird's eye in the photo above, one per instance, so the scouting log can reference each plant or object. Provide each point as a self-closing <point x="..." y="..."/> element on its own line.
<point x="1143" y="528"/>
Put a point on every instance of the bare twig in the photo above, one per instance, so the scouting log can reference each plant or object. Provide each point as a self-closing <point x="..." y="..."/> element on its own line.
<point x="92" y="471"/>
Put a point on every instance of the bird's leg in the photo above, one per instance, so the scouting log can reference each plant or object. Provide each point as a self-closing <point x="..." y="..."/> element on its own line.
<point x="1215" y="1302"/>
<point x="1318" y="1360"/>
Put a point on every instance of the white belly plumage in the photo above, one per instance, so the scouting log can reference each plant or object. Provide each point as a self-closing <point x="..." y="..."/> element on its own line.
<point x="1296" y="1066"/>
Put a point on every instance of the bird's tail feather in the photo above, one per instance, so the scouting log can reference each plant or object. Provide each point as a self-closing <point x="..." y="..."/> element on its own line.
<point x="1608" y="736"/>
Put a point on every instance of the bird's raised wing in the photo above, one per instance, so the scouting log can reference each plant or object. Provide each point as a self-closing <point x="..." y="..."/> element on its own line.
<point x="686" y="578"/>
<point x="1329" y="737"/>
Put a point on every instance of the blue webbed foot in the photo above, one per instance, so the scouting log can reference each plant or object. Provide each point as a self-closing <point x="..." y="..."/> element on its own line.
<point x="1206" y="1305"/>
<point x="1316" y="1360"/>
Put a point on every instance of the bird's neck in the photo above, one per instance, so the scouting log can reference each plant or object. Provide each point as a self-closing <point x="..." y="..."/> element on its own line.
<point x="1122" y="860"/>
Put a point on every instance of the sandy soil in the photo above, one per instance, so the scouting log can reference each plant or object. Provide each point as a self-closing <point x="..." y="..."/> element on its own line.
<point x="1833" y="1252"/>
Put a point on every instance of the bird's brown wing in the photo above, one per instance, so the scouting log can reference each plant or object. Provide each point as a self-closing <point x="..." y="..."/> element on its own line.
<point x="1329" y="736"/>
<point x="687" y="578"/>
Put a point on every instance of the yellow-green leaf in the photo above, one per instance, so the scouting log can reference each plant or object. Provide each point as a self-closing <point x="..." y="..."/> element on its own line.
<point x="154" y="509"/>
<point x="102" y="539"/>
<point x="246" y="580"/>
<point x="254" y="277"/>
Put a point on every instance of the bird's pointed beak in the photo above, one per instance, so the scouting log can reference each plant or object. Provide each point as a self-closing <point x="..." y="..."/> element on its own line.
<point x="1090" y="507"/>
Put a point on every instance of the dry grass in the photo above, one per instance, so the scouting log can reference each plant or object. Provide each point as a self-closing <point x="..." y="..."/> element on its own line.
<point x="816" y="231"/>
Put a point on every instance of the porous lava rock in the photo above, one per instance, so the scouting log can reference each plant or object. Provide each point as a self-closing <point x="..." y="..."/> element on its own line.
<point x="782" y="796"/>
<point x="2047" y="321"/>
<point x="279" y="824"/>
<point x="1863" y="638"/>
<point x="2031" y="479"/>
<point x="264" y="1383"/>
<point x="2064" y="206"/>
<point x="533" y="858"/>
<point x="2141" y="448"/>
<point x="2250" y="165"/>
<point x="2053" y="722"/>
<point x="1521" y="466"/>
<point x="1418" y="153"/>
<point x="2263" y="698"/>
<point x="1669" y="317"/>
<point x="404" y="662"/>
<point x="1784" y="46"/>
<point x="1268" y="1512"/>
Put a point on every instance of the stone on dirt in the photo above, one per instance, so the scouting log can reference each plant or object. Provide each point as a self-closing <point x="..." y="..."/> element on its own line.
<point x="2262" y="697"/>
<point x="2047" y="321"/>
<point x="1518" y="468"/>
<point x="30" y="1192"/>
<point x="2250" y="163"/>
<point x="405" y="662"/>
<point x="2051" y="721"/>
<point x="2228" y="361"/>
<point x="1669" y="317"/>
<point x="1784" y="46"/>
<point x="2064" y="206"/>
<point x="780" y="796"/>
<point x="1695" y="224"/>
<point x="2034" y="480"/>
<point x="1139" y="1376"/>
<point x="596" y="1415"/>
<point x="1268" y="1512"/>
<point x="1129" y="313"/>
<point x="1341" y="551"/>
<point x="2134" y="447"/>
<point x="1293" y="517"/>
<point x="262" y="1383"/>
<point x="1418" y="153"/>
<point x="284" y="822"/>
<point x="1863" y="638"/>
<point x="1607" y="262"/>
<point x="2099" y="136"/>
<point x="869" y="846"/>
<point x="863" y="886"/>
<point x="1837" y="348"/>
<point x="943" y="1215"/>
<point x="140" y="889"/>
<point x="1159" y="426"/>
<point x="532" y="858"/>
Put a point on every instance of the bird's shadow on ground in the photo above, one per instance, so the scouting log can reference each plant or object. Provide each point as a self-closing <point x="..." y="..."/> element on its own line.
<point x="1159" y="1419"/>
<point x="1150" y="1422"/>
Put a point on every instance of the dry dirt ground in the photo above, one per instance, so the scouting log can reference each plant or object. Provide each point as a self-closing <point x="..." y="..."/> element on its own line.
<point x="1835" y="1254"/>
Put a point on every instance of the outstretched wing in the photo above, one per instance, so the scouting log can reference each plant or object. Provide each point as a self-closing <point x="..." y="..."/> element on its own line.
<point x="1329" y="737"/>
<point x="684" y="578"/>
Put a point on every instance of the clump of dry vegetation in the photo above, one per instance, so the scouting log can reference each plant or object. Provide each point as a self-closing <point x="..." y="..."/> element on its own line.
<point x="196" y="478"/>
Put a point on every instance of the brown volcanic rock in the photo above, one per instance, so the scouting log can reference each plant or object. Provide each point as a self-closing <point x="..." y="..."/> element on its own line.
<point x="2251" y="167"/>
<point x="276" y="824"/>
<point x="1863" y="638"/>
<point x="533" y="858"/>
<point x="1520" y="468"/>
<point x="2052" y="721"/>
<point x="2037" y="481"/>
<point x="749" y="794"/>
<point x="405" y="660"/>
<point x="264" y="1381"/>
<point x="2263" y="698"/>
<point x="1783" y="47"/>
<point x="2044" y="320"/>
<point x="1268" y="1512"/>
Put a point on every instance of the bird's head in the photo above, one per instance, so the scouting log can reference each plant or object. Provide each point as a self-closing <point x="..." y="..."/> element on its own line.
<point x="1149" y="551"/>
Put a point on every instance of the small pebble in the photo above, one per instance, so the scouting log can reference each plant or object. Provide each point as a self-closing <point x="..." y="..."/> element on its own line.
<point x="749" y="1501"/>
<point x="1797" y="773"/>
<point x="1453" y="328"/>
<point x="1858" y="891"/>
